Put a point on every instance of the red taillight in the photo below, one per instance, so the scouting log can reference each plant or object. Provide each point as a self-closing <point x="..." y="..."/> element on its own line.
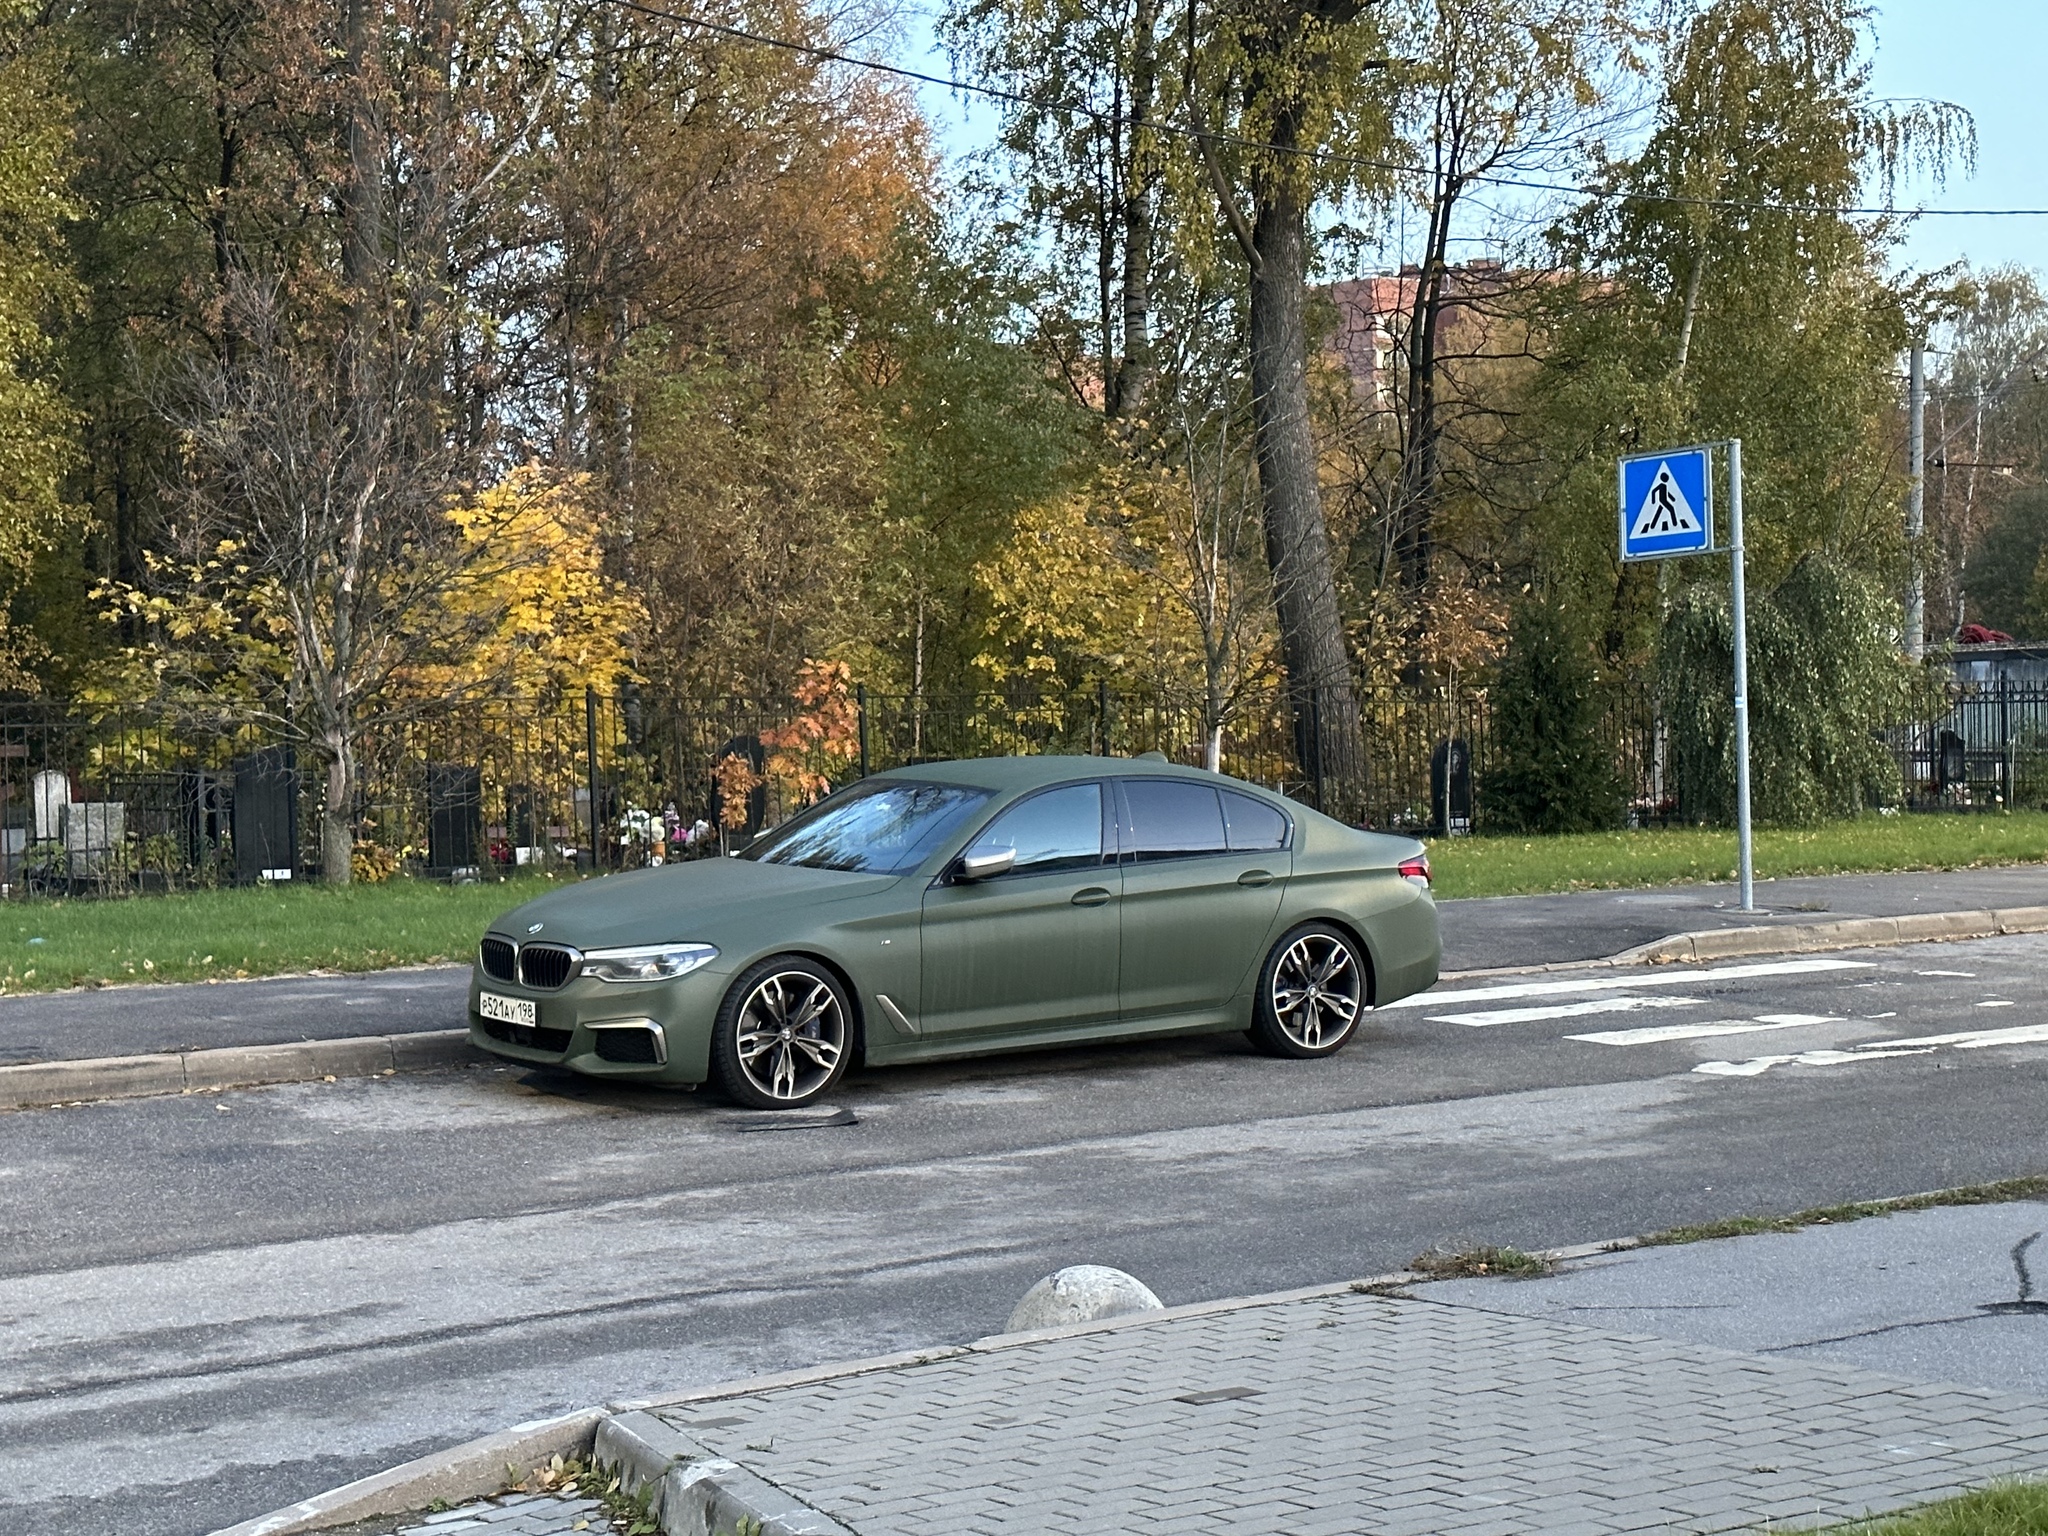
<point x="1416" y="868"/>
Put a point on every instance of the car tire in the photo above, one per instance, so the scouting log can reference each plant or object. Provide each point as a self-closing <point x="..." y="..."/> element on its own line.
<point x="784" y="1034"/>
<point x="1314" y="988"/>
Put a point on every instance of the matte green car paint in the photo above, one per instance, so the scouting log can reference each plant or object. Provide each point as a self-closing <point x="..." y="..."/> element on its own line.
<point x="1021" y="951"/>
<point x="1193" y="928"/>
<point x="1009" y="963"/>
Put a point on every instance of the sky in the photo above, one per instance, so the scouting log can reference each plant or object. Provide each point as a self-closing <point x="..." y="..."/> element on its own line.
<point x="1985" y="55"/>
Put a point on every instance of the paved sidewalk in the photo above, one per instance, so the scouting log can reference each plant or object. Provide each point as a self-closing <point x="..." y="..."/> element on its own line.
<point x="511" y="1514"/>
<point x="1347" y="1414"/>
<point x="1459" y="1408"/>
<point x="1486" y="931"/>
<point x="1949" y="1294"/>
<point x="1361" y="1413"/>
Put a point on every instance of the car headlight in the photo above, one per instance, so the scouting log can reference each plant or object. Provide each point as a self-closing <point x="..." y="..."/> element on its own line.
<point x="647" y="962"/>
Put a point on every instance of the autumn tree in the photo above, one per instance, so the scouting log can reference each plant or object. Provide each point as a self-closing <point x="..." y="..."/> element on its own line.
<point x="314" y="515"/>
<point x="1242" y="117"/>
<point x="1185" y="509"/>
<point x="1987" y="451"/>
<point x="36" y="424"/>
<point x="1490" y="91"/>
<point x="1089" y="104"/>
<point x="1724" y="288"/>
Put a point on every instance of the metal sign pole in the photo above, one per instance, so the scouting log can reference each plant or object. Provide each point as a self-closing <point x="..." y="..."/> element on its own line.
<point x="1744" y="848"/>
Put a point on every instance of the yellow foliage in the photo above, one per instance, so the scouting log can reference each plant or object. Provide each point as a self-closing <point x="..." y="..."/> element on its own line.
<point x="542" y="614"/>
<point x="372" y="864"/>
<point x="1064" y="609"/>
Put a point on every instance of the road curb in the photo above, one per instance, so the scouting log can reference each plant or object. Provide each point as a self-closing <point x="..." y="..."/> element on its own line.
<point x="1842" y="933"/>
<point x="690" y="1491"/>
<point x="42" y="1083"/>
<point x="467" y="1471"/>
<point x="1796" y="939"/>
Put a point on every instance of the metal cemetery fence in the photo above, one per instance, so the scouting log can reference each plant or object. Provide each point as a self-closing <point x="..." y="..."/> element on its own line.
<point x="117" y="799"/>
<point x="1989" y="749"/>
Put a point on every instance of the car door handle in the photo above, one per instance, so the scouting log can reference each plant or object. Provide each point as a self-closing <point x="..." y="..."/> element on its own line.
<point x="1091" y="896"/>
<point x="1255" y="877"/>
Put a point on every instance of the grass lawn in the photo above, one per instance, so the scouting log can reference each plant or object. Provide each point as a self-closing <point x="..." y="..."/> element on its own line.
<point x="2012" y="1509"/>
<point x="1520" y="866"/>
<point x="213" y="935"/>
<point x="207" y="935"/>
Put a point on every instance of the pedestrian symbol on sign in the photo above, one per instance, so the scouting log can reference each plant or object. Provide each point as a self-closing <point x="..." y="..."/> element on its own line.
<point x="1665" y="505"/>
<point x="1665" y="509"/>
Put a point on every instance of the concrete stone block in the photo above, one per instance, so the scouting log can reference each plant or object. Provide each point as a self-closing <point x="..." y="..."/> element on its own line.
<point x="1080" y="1293"/>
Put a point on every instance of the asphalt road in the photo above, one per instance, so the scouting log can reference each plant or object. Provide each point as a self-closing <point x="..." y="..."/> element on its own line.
<point x="1478" y="933"/>
<point x="215" y="1305"/>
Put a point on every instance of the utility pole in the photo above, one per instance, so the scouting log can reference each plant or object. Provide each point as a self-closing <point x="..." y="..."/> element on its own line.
<point x="1916" y="502"/>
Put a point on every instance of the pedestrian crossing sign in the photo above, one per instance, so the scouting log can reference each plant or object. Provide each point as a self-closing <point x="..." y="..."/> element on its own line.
<point x="1666" y="504"/>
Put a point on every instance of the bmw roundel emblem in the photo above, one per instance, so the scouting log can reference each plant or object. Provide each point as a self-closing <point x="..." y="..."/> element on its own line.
<point x="536" y="928"/>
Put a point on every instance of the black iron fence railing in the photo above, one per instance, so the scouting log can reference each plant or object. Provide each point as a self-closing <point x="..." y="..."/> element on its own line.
<point x="143" y="797"/>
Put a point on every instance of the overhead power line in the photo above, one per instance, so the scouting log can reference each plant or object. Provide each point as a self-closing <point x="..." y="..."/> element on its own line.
<point x="1328" y="157"/>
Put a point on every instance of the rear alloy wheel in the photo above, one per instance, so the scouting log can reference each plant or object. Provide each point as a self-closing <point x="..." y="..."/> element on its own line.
<point x="1313" y="989"/>
<point x="783" y="1034"/>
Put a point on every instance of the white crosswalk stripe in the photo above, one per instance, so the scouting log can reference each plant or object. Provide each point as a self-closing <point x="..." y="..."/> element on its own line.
<point x="1706" y="1029"/>
<point x="1562" y="1010"/>
<point x="1645" y="977"/>
<point x="1977" y="1039"/>
<point x="1756" y="1066"/>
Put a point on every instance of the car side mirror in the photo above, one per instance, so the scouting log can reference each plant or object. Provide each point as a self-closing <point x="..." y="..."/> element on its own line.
<point x="986" y="865"/>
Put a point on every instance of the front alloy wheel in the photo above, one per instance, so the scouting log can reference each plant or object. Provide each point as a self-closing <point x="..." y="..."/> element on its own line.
<point x="1312" y="991"/>
<point x="783" y="1034"/>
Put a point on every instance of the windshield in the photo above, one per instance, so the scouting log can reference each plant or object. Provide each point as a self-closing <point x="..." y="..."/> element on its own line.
<point x="881" y="827"/>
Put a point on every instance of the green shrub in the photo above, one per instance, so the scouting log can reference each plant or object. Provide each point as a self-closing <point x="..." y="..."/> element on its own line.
<point x="1554" y="771"/>
<point x="1825" y="675"/>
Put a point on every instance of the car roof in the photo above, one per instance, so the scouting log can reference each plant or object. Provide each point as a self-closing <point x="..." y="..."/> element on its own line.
<point x="1007" y="775"/>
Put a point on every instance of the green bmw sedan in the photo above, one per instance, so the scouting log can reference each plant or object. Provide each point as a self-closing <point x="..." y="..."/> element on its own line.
<point x="956" y="908"/>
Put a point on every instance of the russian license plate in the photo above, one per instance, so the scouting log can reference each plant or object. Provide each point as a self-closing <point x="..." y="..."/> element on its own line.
<point x="508" y="1010"/>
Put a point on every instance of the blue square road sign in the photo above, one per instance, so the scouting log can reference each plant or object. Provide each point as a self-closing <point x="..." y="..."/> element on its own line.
<point x="1666" y="504"/>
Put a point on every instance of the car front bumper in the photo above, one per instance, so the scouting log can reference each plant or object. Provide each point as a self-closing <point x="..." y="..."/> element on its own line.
<point x="587" y="1026"/>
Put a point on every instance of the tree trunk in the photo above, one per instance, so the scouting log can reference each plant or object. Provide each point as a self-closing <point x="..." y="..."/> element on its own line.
<point x="1415" y="526"/>
<point x="362" y="241"/>
<point x="1326" y="724"/>
<point x="1691" y="311"/>
<point x="1134" y="373"/>
<point x="338" y="819"/>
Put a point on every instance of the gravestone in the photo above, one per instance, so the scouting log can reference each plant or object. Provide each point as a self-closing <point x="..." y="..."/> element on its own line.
<point x="522" y="825"/>
<point x="1951" y="763"/>
<point x="90" y="831"/>
<point x="266" y="815"/>
<point x="1450" y="788"/>
<point x="455" y="811"/>
<point x="49" y="793"/>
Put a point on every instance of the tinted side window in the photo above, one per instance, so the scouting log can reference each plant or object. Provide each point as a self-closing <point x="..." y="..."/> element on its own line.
<point x="1060" y="829"/>
<point x="1254" y="825"/>
<point x="1171" y="819"/>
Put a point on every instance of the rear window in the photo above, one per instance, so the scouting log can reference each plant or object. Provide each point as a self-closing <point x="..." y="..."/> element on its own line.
<point x="1172" y="818"/>
<point x="1253" y="825"/>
